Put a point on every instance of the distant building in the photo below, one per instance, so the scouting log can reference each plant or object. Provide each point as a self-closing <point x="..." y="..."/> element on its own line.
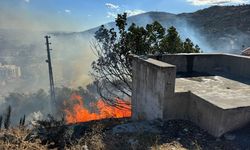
<point x="246" y="52"/>
<point x="9" y="72"/>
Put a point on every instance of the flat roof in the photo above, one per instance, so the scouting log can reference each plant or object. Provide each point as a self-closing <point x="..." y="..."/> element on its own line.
<point x="222" y="92"/>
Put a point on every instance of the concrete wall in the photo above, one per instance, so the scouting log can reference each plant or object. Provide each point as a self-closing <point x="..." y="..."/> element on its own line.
<point x="218" y="64"/>
<point x="235" y="119"/>
<point x="193" y="62"/>
<point x="153" y="94"/>
<point x="216" y="121"/>
<point x="153" y="82"/>
<point x="187" y="106"/>
<point x="236" y="65"/>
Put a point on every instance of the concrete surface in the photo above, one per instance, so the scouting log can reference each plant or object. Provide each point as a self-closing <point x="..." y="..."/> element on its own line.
<point x="222" y="92"/>
<point x="217" y="103"/>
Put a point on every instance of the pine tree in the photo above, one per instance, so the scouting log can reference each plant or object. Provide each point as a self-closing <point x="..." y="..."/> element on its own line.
<point x="172" y="42"/>
<point x="7" y="118"/>
<point x="1" y="121"/>
<point x="188" y="46"/>
<point x="23" y="121"/>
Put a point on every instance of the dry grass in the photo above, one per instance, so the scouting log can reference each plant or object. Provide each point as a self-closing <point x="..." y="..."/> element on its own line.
<point x="98" y="136"/>
<point x="92" y="140"/>
<point x="168" y="146"/>
<point x="14" y="139"/>
<point x="99" y="140"/>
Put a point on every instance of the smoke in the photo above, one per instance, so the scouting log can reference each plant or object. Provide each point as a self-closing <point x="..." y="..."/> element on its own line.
<point x="186" y="30"/>
<point x="71" y="65"/>
<point x="72" y="59"/>
<point x="35" y="116"/>
<point x="229" y="41"/>
<point x="22" y="43"/>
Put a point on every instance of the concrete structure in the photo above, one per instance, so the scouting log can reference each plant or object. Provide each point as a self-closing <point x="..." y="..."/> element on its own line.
<point x="211" y="90"/>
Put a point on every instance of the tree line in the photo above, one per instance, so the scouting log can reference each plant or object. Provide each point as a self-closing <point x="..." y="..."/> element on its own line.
<point x="112" y="69"/>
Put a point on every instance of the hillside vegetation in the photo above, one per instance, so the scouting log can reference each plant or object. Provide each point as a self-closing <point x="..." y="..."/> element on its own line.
<point x="216" y="29"/>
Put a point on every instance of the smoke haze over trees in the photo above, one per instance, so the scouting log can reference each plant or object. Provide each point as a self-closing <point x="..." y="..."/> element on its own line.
<point x="35" y="105"/>
<point x="113" y="66"/>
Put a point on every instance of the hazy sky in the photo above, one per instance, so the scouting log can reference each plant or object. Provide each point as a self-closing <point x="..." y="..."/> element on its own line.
<point x="79" y="15"/>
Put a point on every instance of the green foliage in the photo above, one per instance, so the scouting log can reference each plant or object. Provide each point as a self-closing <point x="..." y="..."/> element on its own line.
<point x="189" y="47"/>
<point x="171" y="43"/>
<point x="113" y="67"/>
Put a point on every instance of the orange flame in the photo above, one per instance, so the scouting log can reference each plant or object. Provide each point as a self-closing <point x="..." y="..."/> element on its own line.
<point x="81" y="114"/>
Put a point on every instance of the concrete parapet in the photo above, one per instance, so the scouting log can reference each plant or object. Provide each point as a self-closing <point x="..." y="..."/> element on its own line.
<point x="217" y="64"/>
<point x="153" y="82"/>
<point x="154" y="96"/>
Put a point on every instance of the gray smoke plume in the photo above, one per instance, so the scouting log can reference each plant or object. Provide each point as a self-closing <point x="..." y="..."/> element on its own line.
<point x="22" y="43"/>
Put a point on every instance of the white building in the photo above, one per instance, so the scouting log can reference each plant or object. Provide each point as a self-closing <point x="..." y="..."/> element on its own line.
<point x="9" y="72"/>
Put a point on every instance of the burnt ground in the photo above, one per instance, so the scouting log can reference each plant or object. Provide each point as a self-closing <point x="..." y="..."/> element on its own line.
<point x="123" y="134"/>
<point x="184" y="134"/>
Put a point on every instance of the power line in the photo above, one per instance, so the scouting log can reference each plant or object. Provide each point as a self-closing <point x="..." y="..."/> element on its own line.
<point x="51" y="79"/>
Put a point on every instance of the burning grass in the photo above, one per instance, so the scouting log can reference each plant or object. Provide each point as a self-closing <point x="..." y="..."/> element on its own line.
<point x="101" y="110"/>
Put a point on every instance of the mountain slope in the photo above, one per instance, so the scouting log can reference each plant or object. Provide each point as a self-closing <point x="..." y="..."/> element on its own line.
<point x="217" y="29"/>
<point x="221" y="19"/>
<point x="224" y="26"/>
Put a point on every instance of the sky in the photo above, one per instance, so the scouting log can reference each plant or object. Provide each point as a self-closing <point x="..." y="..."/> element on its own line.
<point x="80" y="15"/>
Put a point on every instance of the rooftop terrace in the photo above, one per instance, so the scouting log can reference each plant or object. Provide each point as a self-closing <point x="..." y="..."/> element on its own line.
<point x="211" y="90"/>
<point x="219" y="91"/>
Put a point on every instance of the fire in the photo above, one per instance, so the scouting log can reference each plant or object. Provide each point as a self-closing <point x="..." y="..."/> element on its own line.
<point x="78" y="113"/>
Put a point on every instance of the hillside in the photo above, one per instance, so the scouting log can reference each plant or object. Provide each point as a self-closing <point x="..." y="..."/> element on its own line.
<point x="223" y="24"/>
<point x="215" y="29"/>
<point x="218" y="19"/>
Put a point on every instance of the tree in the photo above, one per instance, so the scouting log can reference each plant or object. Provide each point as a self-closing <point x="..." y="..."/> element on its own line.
<point x="112" y="69"/>
<point x="1" y="121"/>
<point x="172" y="42"/>
<point x="22" y="121"/>
<point x="7" y="118"/>
<point x="155" y="35"/>
<point x="188" y="46"/>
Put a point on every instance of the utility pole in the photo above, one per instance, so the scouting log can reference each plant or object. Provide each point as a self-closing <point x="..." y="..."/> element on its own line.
<point x="51" y="80"/>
